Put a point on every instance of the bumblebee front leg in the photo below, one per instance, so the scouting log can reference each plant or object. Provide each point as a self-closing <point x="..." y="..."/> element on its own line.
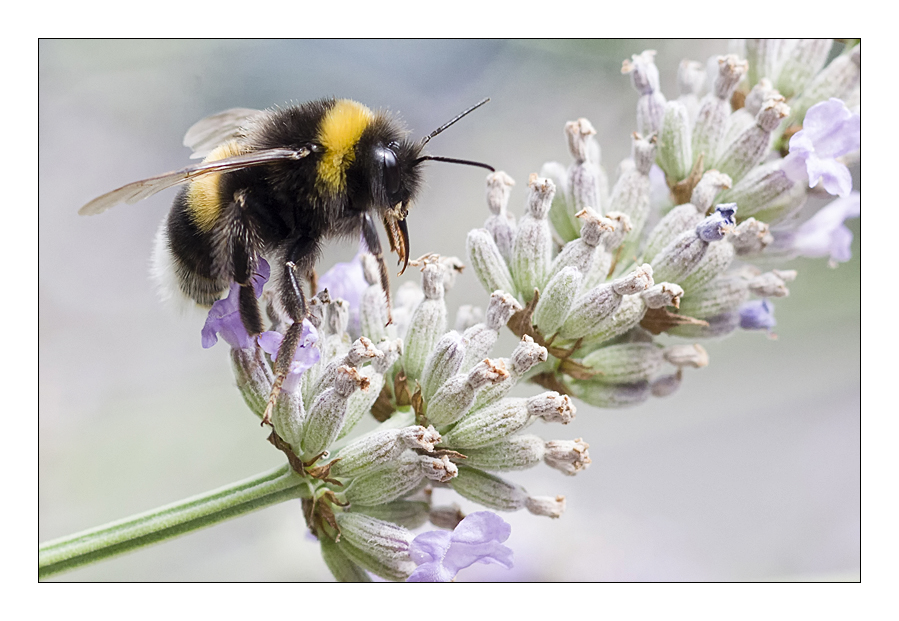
<point x="370" y="235"/>
<point x="299" y="259"/>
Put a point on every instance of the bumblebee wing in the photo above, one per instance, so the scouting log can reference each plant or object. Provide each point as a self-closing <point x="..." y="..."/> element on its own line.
<point x="206" y="134"/>
<point x="140" y="190"/>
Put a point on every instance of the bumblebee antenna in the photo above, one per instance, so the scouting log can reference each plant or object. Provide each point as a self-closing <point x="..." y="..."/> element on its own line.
<point x="425" y="140"/>
<point x="453" y="160"/>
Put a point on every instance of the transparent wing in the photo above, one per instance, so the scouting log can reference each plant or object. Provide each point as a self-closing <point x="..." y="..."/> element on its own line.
<point x="206" y="134"/>
<point x="140" y="190"/>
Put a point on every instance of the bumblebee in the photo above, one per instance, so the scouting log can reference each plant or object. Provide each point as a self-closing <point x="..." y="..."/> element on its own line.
<point x="277" y="183"/>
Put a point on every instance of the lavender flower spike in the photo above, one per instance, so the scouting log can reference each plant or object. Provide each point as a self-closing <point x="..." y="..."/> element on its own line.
<point x="224" y="316"/>
<point x="476" y="539"/>
<point x="829" y="131"/>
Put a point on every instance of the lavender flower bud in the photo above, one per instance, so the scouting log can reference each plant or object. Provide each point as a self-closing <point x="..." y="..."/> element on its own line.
<point x="751" y="237"/>
<point x="721" y="295"/>
<point x="439" y="469"/>
<point x="340" y="565"/>
<point x="583" y="175"/>
<point x="546" y="506"/>
<point x="481" y="337"/>
<point x="744" y="118"/>
<point x="675" y="152"/>
<point x="604" y="395"/>
<point x="567" y="456"/>
<point x="645" y="78"/>
<point x="287" y="418"/>
<point x="804" y="61"/>
<point x="627" y="362"/>
<point x="532" y="251"/>
<point x="488" y="262"/>
<point x="553" y="306"/>
<point x="526" y="356"/>
<point x="772" y="284"/>
<point x="561" y="212"/>
<point x="680" y="257"/>
<point x="513" y="453"/>
<point x="501" y="223"/>
<point x="428" y="321"/>
<point x="581" y="252"/>
<point x="326" y="415"/>
<point x="406" y="513"/>
<point x="373" y="312"/>
<point x="715" y="107"/>
<point x="662" y="295"/>
<point x="496" y="493"/>
<point x="506" y="417"/>
<point x="690" y="80"/>
<point x="607" y="249"/>
<point x="631" y="194"/>
<point x="360" y="351"/>
<point x="380" y="448"/>
<point x="673" y="224"/>
<point x="443" y="363"/>
<point x="361" y="402"/>
<point x="752" y="145"/>
<point x="717" y="258"/>
<point x="711" y="183"/>
<point x="759" y="188"/>
<point x="456" y="396"/>
<point x="390" y="482"/>
<point x="489" y="490"/>
<point x="378" y="546"/>
<point x="764" y="57"/>
<point x="591" y="308"/>
<point x="628" y="315"/>
<point x="681" y="356"/>
<point x="254" y="378"/>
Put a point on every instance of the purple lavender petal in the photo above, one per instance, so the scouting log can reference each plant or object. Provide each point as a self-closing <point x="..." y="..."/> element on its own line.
<point x="345" y="281"/>
<point x="476" y="539"/>
<point x="826" y="234"/>
<point x="833" y="128"/>
<point x="270" y="341"/>
<point x="757" y="315"/>
<point x="224" y="316"/>
<point x="714" y="227"/>
<point x="306" y="355"/>
<point x="830" y="130"/>
<point x="224" y="320"/>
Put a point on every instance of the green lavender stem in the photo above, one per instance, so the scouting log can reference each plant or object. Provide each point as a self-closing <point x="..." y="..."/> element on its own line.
<point x="191" y="514"/>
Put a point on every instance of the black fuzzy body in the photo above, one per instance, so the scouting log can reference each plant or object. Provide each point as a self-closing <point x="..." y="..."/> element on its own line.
<point x="282" y="210"/>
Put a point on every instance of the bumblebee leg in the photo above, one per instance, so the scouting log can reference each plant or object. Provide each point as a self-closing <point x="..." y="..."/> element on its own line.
<point x="370" y="235"/>
<point x="301" y="255"/>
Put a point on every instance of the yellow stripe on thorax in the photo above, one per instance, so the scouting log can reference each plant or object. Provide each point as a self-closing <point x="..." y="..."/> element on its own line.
<point x="203" y="194"/>
<point x="339" y="132"/>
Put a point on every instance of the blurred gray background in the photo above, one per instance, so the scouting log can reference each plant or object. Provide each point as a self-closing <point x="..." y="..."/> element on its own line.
<point x="749" y="472"/>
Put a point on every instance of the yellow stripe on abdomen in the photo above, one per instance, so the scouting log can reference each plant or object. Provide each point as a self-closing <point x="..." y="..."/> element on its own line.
<point x="203" y="195"/>
<point x="339" y="132"/>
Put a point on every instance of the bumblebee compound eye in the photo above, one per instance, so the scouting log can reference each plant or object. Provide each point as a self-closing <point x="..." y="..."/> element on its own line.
<point x="390" y="170"/>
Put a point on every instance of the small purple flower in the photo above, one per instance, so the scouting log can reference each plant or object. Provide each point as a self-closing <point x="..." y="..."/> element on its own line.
<point x="825" y="234"/>
<point x="224" y="316"/>
<point x="830" y="130"/>
<point x="757" y="315"/>
<point x="478" y="538"/>
<point x="716" y="226"/>
<point x="306" y="355"/>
